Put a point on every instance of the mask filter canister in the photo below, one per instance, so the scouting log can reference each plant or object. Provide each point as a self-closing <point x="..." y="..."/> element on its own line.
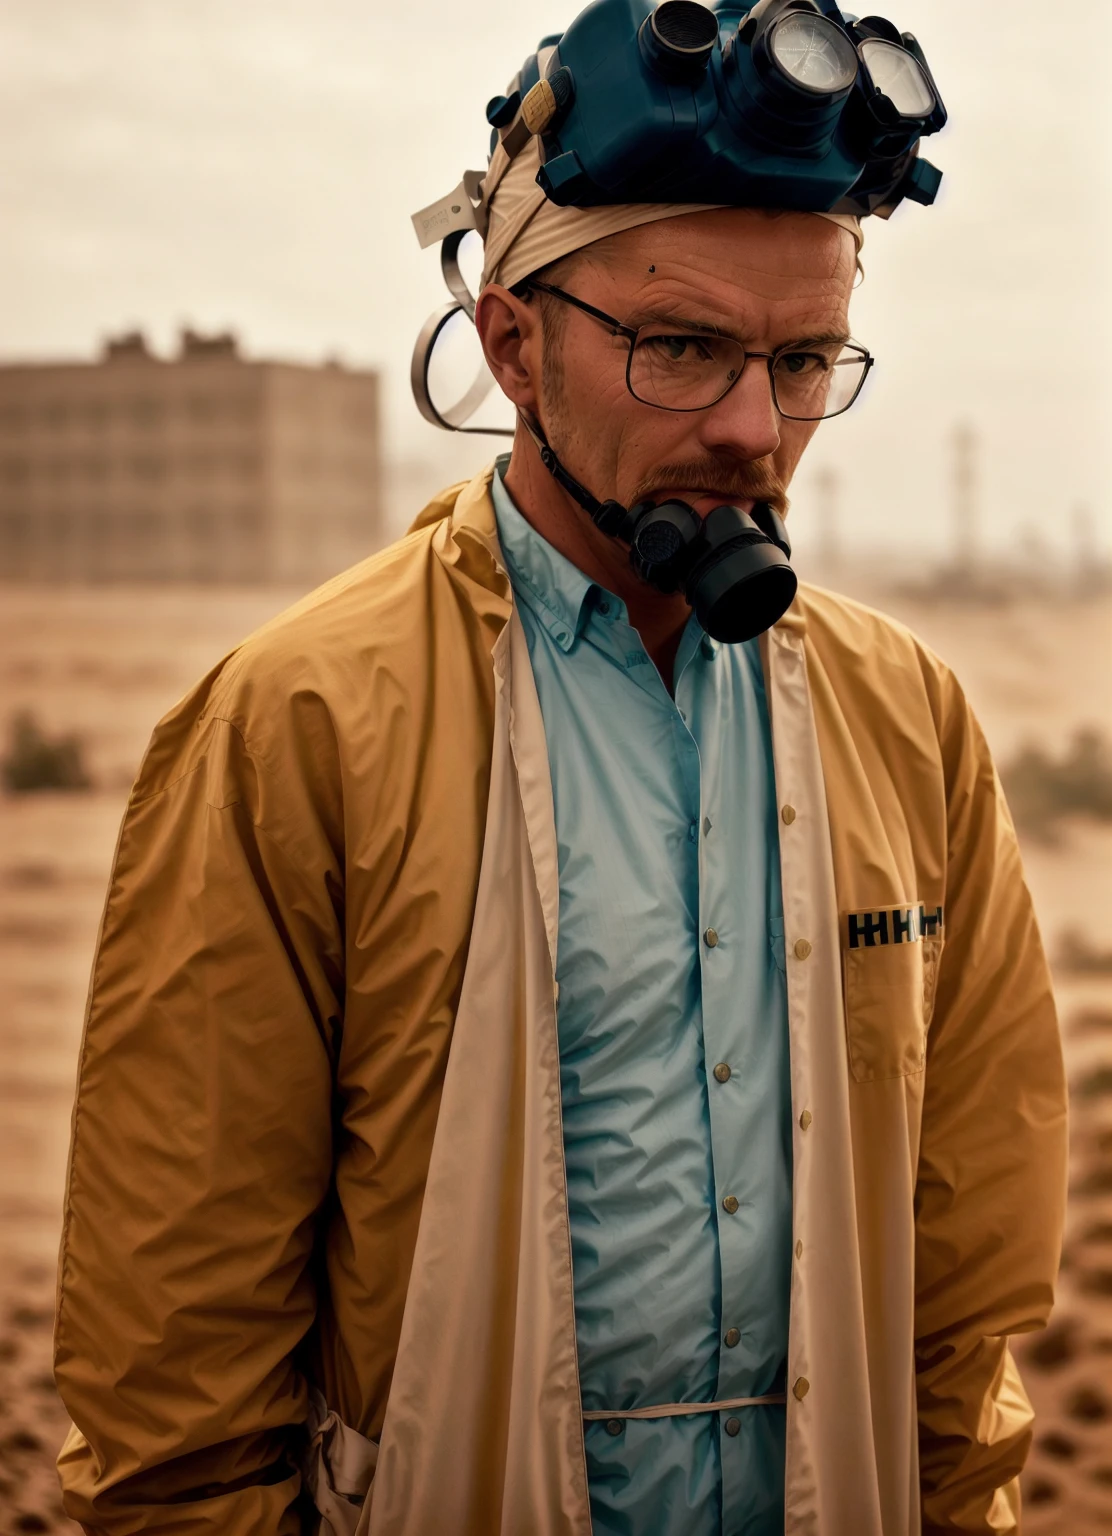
<point x="733" y="567"/>
<point x="736" y="576"/>
<point x="741" y="582"/>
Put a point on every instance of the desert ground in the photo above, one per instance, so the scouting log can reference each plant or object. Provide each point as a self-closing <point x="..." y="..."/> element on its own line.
<point x="106" y="664"/>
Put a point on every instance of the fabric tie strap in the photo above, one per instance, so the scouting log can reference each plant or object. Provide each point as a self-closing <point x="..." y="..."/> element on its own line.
<point x="339" y="1468"/>
<point x="678" y="1410"/>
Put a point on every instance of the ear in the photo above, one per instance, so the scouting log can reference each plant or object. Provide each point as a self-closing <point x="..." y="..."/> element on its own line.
<point x="511" y="335"/>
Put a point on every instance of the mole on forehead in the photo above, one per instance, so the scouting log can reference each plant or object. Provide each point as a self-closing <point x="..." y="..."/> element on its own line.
<point x="684" y="295"/>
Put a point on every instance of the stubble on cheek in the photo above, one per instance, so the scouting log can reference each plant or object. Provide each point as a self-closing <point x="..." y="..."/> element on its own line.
<point x="552" y="387"/>
<point x="583" y="422"/>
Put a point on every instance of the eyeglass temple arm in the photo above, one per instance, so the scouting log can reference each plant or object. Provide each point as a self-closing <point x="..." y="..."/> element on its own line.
<point x="588" y="309"/>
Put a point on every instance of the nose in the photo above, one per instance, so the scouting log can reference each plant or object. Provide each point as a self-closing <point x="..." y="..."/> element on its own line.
<point x="745" y="422"/>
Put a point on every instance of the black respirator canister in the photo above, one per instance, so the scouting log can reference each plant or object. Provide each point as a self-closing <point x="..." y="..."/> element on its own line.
<point x="776" y="104"/>
<point x="732" y="566"/>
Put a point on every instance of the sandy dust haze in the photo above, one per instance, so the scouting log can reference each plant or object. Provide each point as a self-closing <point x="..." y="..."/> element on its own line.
<point x="253" y="166"/>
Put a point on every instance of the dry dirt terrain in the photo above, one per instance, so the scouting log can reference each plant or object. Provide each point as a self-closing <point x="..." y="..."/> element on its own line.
<point x="106" y="664"/>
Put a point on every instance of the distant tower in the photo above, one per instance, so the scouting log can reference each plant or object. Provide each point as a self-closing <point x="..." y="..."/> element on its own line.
<point x="1091" y="574"/>
<point x="1086" y="555"/>
<point x="1034" y="558"/>
<point x="966" y="519"/>
<point x="827" y="486"/>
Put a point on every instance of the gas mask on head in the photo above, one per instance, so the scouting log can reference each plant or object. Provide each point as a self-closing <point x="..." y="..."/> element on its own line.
<point x="778" y="104"/>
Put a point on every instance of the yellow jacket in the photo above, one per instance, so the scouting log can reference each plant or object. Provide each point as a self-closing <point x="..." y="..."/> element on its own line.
<point x="317" y="1162"/>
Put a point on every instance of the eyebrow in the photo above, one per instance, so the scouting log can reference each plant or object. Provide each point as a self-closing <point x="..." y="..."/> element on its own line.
<point x="707" y="328"/>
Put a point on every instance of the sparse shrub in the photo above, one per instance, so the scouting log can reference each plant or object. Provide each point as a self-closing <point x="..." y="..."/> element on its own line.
<point x="1096" y="1084"/>
<point x="1043" y="790"/>
<point x="1078" y="956"/>
<point x="34" y="761"/>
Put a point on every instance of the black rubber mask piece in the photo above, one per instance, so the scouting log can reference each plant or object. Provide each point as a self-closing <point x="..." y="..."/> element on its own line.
<point x="734" y="572"/>
<point x="733" y="567"/>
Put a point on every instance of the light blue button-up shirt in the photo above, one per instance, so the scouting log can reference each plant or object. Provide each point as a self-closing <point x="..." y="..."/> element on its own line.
<point x="673" y="1050"/>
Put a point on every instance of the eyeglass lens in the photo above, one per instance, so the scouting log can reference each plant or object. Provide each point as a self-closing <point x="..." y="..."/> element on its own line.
<point x="682" y="372"/>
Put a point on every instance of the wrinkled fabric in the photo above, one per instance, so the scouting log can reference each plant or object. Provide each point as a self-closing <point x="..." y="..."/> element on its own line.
<point x="483" y="1428"/>
<point x="524" y="231"/>
<point x="646" y="1011"/>
<point x="281" y="967"/>
<point x="339" y="1468"/>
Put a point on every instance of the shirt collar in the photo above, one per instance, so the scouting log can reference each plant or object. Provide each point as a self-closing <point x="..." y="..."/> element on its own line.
<point x="554" y="590"/>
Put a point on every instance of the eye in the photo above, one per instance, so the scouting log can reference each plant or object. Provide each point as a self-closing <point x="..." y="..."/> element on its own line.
<point x="678" y="349"/>
<point x="800" y="364"/>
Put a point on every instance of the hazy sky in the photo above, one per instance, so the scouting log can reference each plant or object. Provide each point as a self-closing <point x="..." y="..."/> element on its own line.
<point x="253" y="163"/>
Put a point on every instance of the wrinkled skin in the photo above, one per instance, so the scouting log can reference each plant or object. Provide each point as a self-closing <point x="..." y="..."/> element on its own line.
<point x="768" y="280"/>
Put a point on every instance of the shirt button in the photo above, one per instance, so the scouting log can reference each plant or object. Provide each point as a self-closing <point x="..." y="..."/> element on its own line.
<point x="801" y="1388"/>
<point x="722" y="1072"/>
<point x="805" y="1119"/>
<point x="730" y="1204"/>
<point x="732" y="1426"/>
<point x="613" y="1426"/>
<point x="732" y="1337"/>
<point x="561" y="637"/>
<point x="802" y="949"/>
<point x="711" y="937"/>
<point x="604" y="606"/>
<point x="693" y="832"/>
<point x="788" y="814"/>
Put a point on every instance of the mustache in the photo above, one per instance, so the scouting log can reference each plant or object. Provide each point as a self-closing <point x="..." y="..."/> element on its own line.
<point x="728" y="478"/>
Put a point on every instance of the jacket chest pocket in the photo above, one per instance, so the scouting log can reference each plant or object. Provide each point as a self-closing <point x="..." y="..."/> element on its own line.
<point x="889" y="997"/>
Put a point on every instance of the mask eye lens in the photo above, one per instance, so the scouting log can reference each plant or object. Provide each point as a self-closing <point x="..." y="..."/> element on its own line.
<point x="898" y="75"/>
<point x="813" y="53"/>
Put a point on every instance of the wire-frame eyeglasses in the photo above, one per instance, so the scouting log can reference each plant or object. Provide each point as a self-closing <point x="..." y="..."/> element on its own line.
<point x="674" y="369"/>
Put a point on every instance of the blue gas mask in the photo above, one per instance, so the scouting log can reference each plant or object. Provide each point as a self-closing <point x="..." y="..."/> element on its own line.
<point x="784" y="104"/>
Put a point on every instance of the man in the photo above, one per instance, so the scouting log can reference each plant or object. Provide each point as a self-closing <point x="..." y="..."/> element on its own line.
<point x="548" y="1069"/>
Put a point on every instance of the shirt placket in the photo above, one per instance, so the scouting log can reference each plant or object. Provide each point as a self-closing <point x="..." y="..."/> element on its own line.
<point x="573" y="627"/>
<point x="723" y="1003"/>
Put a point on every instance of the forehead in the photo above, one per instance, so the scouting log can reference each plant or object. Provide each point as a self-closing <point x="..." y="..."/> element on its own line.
<point x="732" y="266"/>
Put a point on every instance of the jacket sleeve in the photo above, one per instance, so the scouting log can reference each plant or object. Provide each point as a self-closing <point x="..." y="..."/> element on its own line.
<point x="201" y="1150"/>
<point x="990" y="1196"/>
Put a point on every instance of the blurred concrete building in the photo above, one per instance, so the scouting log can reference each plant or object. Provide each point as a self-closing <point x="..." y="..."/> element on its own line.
<point x="207" y="467"/>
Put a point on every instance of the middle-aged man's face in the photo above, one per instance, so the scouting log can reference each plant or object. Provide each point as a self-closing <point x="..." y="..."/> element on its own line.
<point x="767" y="280"/>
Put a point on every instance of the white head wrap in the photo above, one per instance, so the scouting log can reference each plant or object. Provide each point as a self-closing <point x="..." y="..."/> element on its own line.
<point x="524" y="231"/>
